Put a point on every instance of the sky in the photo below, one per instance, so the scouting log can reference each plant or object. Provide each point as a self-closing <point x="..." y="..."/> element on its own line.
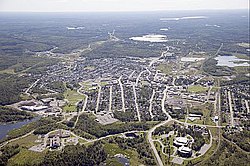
<point x="117" y="5"/>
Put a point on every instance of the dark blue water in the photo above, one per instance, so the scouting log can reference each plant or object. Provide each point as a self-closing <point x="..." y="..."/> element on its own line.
<point x="5" y="128"/>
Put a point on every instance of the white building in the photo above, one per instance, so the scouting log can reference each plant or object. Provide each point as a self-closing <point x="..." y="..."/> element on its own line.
<point x="184" y="151"/>
<point x="181" y="141"/>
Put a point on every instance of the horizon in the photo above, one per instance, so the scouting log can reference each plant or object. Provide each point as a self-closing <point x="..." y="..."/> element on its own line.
<point x="119" y="5"/>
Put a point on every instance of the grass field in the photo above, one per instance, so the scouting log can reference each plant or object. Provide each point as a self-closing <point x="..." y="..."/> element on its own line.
<point x="165" y="68"/>
<point x="206" y="110"/>
<point x="73" y="97"/>
<point x="7" y="71"/>
<point x="245" y="45"/>
<point x="163" y="156"/>
<point x="26" y="157"/>
<point x="197" y="89"/>
<point x="26" y="142"/>
<point x="113" y="149"/>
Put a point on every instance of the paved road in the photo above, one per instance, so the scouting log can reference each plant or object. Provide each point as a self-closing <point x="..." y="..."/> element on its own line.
<point x="150" y="104"/>
<point x="122" y="94"/>
<point x="151" y="142"/>
<point x="31" y="86"/>
<point x="138" y="78"/>
<point x="247" y="106"/>
<point x="98" y="98"/>
<point x="231" y="108"/>
<point x="9" y="141"/>
<point x="130" y="76"/>
<point x="136" y="104"/>
<point x="82" y="111"/>
<point x="110" y="98"/>
<point x="163" y="102"/>
<point x="112" y="135"/>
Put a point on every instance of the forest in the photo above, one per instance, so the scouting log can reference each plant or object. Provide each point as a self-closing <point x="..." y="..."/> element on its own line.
<point x="76" y="155"/>
<point x="8" y="114"/>
<point x="87" y="123"/>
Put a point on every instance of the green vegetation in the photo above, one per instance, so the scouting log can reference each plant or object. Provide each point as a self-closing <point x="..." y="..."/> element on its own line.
<point x="41" y="126"/>
<point x="206" y="110"/>
<point x="11" y="87"/>
<point x="77" y="155"/>
<point x="163" y="130"/>
<point x="239" y="79"/>
<point x="245" y="45"/>
<point x="57" y="86"/>
<point x="241" y="139"/>
<point x="72" y="96"/>
<point x="166" y="68"/>
<point x="27" y="157"/>
<point x="7" y="152"/>
<point x="25" y="142"/>
<point x="210" y="67"/>
<point x="119" y="49"/>
<point x="128" y="146"/>
<point x="197" y="88"/>
<point x="88" y="124"/>
<point x="126" y="116"/>
<point x="8" y="114"/>
<point x="227" y="154"/>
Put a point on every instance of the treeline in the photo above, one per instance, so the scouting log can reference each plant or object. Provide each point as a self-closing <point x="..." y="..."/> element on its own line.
<point x="42" y="125"/>
<point x="199" y="140"/>
<point x="11" y="86"/>
<point x="7" y="152"/>
<point x="88" y="124"/>
<point x="124" y="49"/>
<point x="8" y="114"/>
<point x="239" y="138"/>
<point x="77" y="155"/>
<point x="210" y="67"/>
<point x="227" y="154"/>
<point x="127" y="116"/>
<point x="163" y="130"/>
<point x="57" y="86"/>
<point x="139" y="144"/>
<point x="240" y="79"/>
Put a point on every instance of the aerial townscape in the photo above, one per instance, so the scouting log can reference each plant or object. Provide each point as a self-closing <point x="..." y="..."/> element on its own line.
<point x="154" y="88"/>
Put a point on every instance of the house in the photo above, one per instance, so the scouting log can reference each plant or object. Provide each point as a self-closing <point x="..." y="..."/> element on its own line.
<point x="216" y="118"/>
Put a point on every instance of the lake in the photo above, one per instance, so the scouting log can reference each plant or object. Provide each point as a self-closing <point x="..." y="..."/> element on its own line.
<point x="5" y="128"/>
<point x="231" y="61"/>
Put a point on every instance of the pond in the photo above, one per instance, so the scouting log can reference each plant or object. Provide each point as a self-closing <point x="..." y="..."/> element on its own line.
<point x="231" y="61"/>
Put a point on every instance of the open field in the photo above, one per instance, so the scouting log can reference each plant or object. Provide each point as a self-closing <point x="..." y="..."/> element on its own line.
<point x="26" y="157"/>
<point x="113" y="149"/>
<point x="72" y="97"/>
<point x="197" y="89"/>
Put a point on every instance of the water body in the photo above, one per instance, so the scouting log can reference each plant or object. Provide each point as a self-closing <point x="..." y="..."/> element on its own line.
<point x="151" y="38"/>
<point x="5" y="128"/>
<point x="231" y="61"/>
<point x="183" y="18"/>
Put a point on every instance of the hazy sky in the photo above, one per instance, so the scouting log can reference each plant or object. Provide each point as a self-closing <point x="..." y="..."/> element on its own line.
<point x="118" y="5"/>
